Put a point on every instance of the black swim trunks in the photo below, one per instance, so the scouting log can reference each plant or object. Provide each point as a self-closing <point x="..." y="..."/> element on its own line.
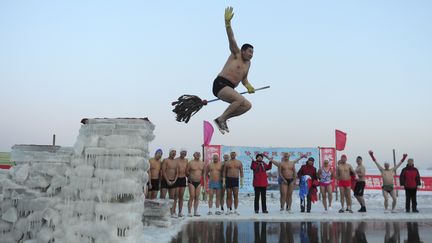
<point x="196" y="184"/>
<point x="219" y="83"/>
<point x="232" y="182"/>
<point x="154" y="184"/>
<point x="359" y="188"/>
<point x="164" y="184"/>
<point x="181" y="182"/>
<point x="289" y="180"/>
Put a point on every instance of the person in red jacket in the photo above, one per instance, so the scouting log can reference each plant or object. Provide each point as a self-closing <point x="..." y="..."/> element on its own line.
<point x="309" y="170"/>
<point x="260" y="181"/>
<point x="410" y="179"/>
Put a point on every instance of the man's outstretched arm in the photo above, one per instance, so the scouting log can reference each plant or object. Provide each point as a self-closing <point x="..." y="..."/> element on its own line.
<point x="375" y="161"/>
<point x="232" y="43"/>
<point x="402" y="160"/>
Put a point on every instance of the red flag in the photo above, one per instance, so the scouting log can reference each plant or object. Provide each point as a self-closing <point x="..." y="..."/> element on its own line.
<point x="208" y="132"/>
<point x="340" y="140"/>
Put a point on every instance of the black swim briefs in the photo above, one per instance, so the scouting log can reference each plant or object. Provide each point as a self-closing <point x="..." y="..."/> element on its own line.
<point x="154" y="184"/>
<point x="219" y="83"/>
<point x="181" y="182"/>
<point x="231" y="182"/>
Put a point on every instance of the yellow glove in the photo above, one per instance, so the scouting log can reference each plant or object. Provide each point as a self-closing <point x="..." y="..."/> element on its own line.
<point x="228" y="16"/>
<point x="250" y="88"/>
<point x="241" y="182"/>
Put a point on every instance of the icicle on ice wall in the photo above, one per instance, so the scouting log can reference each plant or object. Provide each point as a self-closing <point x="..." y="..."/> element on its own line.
<point x="109" y="171"/>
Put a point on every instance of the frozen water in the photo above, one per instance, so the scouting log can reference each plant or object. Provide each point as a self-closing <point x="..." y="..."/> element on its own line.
<point x="92" y="192"/>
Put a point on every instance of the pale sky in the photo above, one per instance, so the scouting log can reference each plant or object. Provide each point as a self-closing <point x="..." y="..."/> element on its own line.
<point x="363" y="67"/>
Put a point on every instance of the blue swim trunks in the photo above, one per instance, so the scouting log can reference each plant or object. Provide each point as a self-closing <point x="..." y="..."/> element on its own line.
<point x="215" y="185"/>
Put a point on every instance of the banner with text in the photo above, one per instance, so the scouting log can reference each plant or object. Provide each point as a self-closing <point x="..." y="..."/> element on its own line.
<point x="330" y="155"/>
<point x="244" y="154"/>
<point x="374" y="182"/>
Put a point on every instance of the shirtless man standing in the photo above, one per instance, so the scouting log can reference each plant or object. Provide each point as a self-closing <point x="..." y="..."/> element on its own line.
<point x="154" y="174"/>
<point x="181" y="181"/>
<point x="194" y="171"/>
<point x="226" y="157"/>
<point x="360" y="184"/>
<point x="388" y="175"/>
<point x="344" y="172"/>
<point x="234" y="71"/>
<point x="214" y="171"/>
<point x="232" y="169"/>
<point x="288" y="174"/>
<point x="170" y="171"/>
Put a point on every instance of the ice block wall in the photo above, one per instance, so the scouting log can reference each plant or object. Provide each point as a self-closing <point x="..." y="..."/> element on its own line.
<point x="29" y="192"/>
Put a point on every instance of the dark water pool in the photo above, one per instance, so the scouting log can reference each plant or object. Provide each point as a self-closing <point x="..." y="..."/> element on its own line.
<point x="311" y="232"/>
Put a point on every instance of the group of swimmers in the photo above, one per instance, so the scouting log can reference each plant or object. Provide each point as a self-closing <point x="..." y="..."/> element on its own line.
<point x="173" y="174"/>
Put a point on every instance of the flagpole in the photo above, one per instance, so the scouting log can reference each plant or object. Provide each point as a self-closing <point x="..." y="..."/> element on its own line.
<point x="204" y="179"/>
<point x="394" y="163"/>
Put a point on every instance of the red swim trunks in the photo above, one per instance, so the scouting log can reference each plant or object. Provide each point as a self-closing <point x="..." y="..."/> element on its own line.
<point x="344" y="183"/>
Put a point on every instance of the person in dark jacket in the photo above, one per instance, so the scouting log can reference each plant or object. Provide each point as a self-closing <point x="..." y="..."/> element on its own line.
<point x="260" y="181"/>
<point x="308" y="170"/>
<point x="410" y="179"/>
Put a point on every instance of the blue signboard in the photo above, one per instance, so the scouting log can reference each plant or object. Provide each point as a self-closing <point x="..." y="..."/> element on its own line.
<point x="244" y="154"/>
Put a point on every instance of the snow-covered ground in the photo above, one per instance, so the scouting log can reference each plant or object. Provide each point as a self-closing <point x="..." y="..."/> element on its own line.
<point x="374" y="204"/>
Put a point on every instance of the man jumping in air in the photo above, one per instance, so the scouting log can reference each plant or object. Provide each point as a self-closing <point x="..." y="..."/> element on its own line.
<point x="235" y="71"/>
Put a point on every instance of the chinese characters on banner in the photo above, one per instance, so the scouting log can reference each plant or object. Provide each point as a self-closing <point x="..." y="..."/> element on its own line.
<point x="330" y="155"/>
<point x="374" y="182"/>
<point x="245" y="155"/>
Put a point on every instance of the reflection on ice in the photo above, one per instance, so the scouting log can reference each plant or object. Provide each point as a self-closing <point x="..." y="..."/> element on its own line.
<point x="289" y="232"/>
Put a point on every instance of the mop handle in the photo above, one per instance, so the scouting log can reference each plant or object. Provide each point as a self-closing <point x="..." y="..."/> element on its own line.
<point x="245" y="92"/>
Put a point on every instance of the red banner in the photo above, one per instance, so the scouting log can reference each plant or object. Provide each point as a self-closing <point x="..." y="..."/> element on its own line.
<point x="374" y="182"/>
<point x="5" y="167"/>
<point x="330" y="155"/>
<point x="209" y="151"/>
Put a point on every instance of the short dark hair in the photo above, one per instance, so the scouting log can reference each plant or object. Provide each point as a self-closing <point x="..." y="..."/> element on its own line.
<point x="259" y="155"/>
<point x="246" y="46"/>
<point x="359" y="157"/>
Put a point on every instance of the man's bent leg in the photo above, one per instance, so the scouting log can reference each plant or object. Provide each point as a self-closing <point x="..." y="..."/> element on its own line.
<point x="244" y="107"/>
<point x="236" y="101"/>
